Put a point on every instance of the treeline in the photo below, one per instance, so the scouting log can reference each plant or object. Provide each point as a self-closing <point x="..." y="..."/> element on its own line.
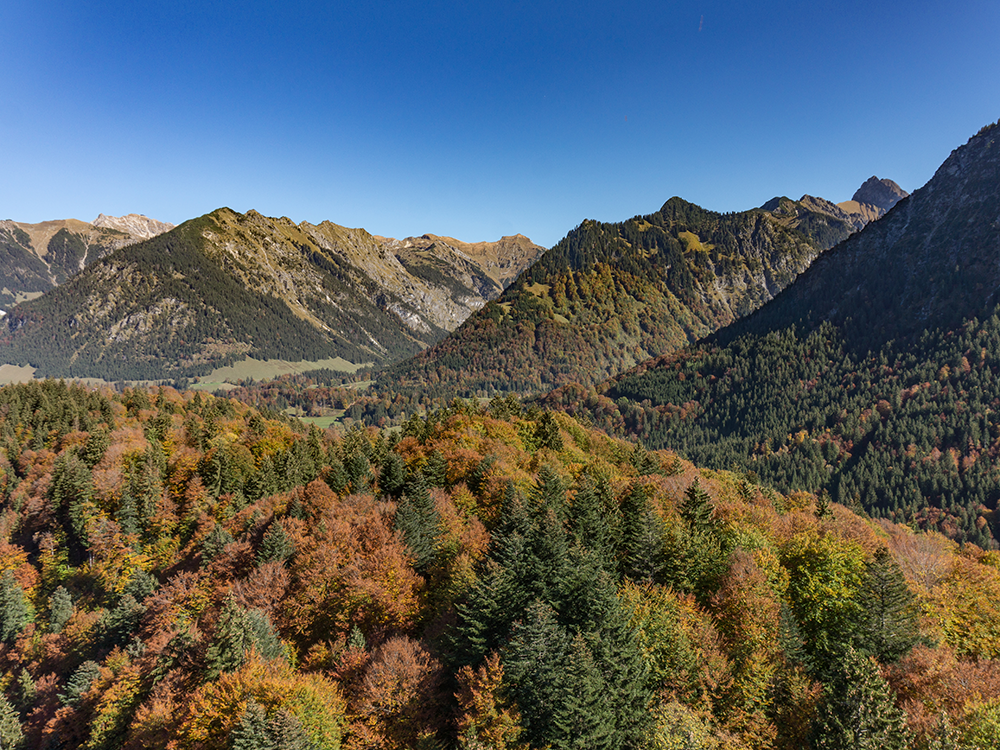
<point x="179" y="571"/>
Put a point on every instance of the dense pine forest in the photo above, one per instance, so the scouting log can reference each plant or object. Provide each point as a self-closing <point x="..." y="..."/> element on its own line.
<point x="184" y="571"/>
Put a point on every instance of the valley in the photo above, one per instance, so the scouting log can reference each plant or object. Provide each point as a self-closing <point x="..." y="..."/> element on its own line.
<point x="690" y="480"/>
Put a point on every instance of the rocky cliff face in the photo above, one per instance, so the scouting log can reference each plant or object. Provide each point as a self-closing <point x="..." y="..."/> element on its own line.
<point x="36" y="257"/>
<point x="135" y="225"/>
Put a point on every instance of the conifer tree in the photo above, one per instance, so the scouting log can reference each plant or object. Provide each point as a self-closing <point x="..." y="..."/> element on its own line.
<point x="252" y="732"/>
<point x="697" y="508"/>
<point x="214" y="542"/>
<point x="582" y="717"/>
<point x="589" y="525"/>
<point x="275" y="546"/>
<point x="287" y="732"/>
<point x="419" y="522"/>
<point x="233" y="639"/>
<point x="435" y="471"/>
<point x="887" y="627"/>
<point x="13" y="608"/>
<point x="60" y="609"/>
<point x="392" y="477"/>
<point x="11" y="734"/>
<point x="79" y="683"/>
<point x="858" y="711"/>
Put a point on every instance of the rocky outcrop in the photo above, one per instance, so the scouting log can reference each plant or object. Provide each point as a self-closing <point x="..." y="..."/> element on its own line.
<point x="881" y="193"/>
<point x="872" y="200"/>
<point x="135" y="225"/>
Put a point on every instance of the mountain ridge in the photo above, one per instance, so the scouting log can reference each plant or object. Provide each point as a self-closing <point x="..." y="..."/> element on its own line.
<point x="611" y="294"/>
<point x="206" y="293"/>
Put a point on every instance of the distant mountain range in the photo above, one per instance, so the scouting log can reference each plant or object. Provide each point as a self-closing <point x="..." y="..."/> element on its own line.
<point x="611" y="295"/>
<point x="37" y="257"/>
<point x="228" y="285"/>
<point x="875" y="376"/>
<point x="151" y="301"/>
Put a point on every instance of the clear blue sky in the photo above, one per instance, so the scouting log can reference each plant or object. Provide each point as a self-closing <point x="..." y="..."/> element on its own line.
<point x="478" y="119"/>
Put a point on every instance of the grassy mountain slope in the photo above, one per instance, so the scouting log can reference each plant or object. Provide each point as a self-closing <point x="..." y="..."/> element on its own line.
<point x="229" y="285"/>
<point x="611" y="295"/>
<point x="874" y="376"/>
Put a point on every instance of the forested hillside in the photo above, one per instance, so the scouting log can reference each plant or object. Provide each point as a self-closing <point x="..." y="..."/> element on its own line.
<point x="36" y="257"/>
<point x="611" y="295"/>
<point x="226" y="286"/>
<point x="182" y="571"/>
<point x="874" y="377"/>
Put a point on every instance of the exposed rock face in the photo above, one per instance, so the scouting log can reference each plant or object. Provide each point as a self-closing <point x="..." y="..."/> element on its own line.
<point x="138" y="226"/>
<point x="500" y="261"/>
<point x="36" y="257"/>
<point x="872" y="200"/>
<point x="882" y="193"/>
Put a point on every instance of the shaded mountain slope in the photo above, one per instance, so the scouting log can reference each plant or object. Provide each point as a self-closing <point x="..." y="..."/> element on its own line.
<point x="612" y="294"/>
<point x="874" y="376"/>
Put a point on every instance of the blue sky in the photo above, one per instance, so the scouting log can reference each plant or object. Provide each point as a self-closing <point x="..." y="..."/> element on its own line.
<point x="479" y="119"/>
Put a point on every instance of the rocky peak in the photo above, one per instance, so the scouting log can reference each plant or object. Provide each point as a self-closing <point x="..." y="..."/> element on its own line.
<point x="882" y="193"/>
<point x="139" y="226"/>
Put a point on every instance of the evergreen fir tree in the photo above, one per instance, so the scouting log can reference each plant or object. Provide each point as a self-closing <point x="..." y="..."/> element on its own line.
<point x="546" y="432"/>
<point x="435" y="470"/>
<point x="275" y="546"/>
<point x="287" y="732"/>
<point x="582" y="718"/>
<point x="534" y="662"/>
<point x="13" y="608"/>
<point x="60" y="609"/>
<point x="213" y="543"/>
<point x="392" y="477"/>
<point x="697" y="508"/>
<point x="233" y="638"/>
<point x="11" y="734"/>
<point x="25" y="691"/>
<point x="263" y="635"/>
<point x="888" y="626"/>
<point x="79" y="683"/>
<point x="858" y="711"/>
<point x="252" y="731"/>
<point x="419" y="522"/>
<point x="589" y="525"/>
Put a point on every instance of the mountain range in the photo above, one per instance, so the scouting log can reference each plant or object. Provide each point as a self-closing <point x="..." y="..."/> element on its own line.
<point x="611" y="295"/>
<point x="873" y="377"/>
<point x="37" y="257"/>
<point x="227" y="286"/>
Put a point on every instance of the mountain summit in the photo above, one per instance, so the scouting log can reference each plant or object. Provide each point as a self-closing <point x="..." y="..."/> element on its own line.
<point x="136" y="225"/>
<point x="881" y="193"/>
<point x="228" y="285"/>
<point x="874" y="376"/>
<point x="872" y="200"/>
